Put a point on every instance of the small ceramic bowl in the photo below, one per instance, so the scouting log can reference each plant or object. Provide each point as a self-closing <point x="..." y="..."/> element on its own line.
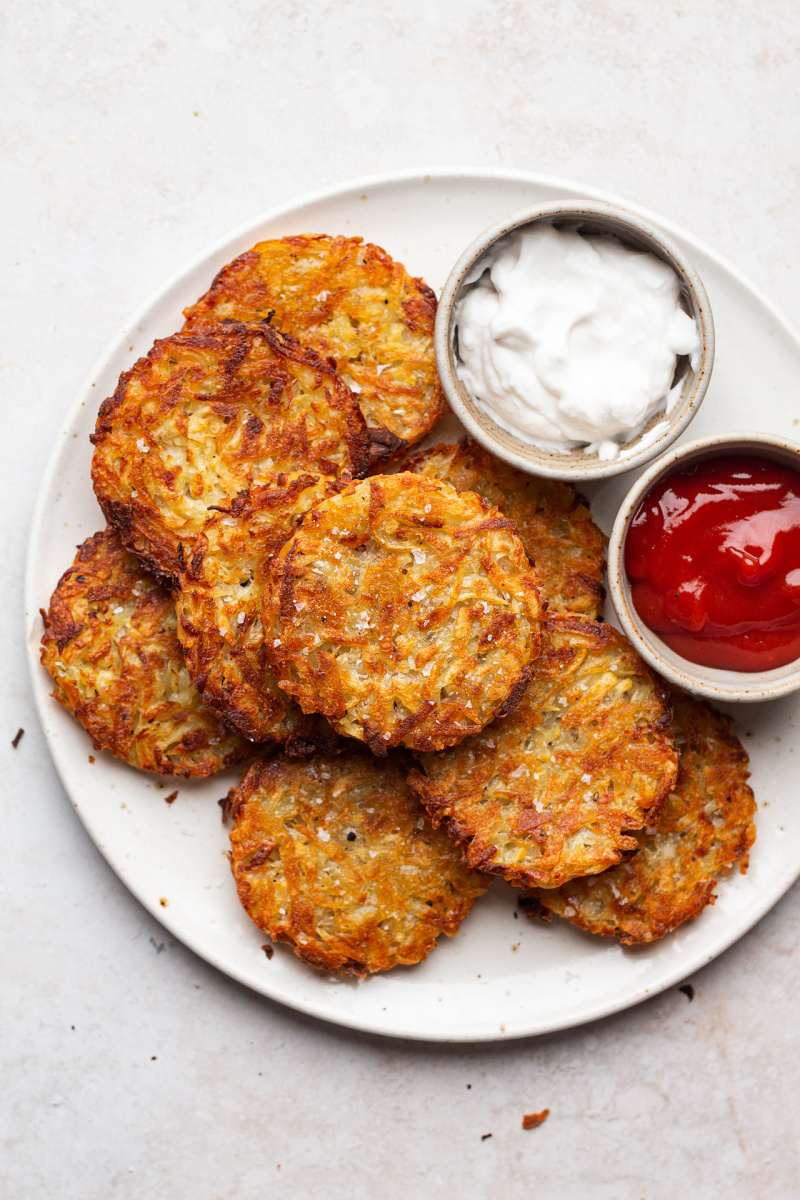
<point x="575" y="465"/>
<point x="751" y="686"/>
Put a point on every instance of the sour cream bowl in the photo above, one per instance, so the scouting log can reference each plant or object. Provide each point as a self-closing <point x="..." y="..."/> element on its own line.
<point x="585" y="458"/>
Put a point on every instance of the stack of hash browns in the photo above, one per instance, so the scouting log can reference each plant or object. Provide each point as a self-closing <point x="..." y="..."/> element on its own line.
<point x="406" y="644"/>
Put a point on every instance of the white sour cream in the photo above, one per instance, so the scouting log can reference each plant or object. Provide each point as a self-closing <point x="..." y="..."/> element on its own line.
<point x="569" y="340"/>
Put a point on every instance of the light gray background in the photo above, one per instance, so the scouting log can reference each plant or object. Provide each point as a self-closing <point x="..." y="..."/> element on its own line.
<point x="133" y="135"/>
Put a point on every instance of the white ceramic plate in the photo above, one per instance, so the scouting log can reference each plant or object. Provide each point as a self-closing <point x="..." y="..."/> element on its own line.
<point x="502" y="976"/>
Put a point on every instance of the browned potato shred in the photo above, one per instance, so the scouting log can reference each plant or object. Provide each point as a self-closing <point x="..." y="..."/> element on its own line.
<point x="553" y="520"/>
<point x="404" y="612"/>
<point x="111" y="648"/>
<point x="348" y="300"/>
<point x="202" y="418"/>
<point x="557" y="788"/>
<point x="219" y="612"/>
<point x="705" y="828"/>
<point x="335" y="856"/>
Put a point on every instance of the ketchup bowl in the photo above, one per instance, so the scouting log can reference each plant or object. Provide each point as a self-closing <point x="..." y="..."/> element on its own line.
<point x="704" y="566"/>
<point x="533" y="388"/>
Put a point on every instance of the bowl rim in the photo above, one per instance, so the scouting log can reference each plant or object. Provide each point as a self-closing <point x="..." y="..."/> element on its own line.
<point x="531" y="459"/>
<point x="712" y="683"/>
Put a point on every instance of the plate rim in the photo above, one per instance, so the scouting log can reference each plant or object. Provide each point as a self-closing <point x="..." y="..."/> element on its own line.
<point x="458" y="176"/>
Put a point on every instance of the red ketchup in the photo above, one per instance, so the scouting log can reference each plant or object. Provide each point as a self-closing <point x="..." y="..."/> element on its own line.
<point x="713" y="555"/>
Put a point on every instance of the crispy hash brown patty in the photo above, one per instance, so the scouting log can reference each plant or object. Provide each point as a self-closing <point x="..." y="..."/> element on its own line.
<point x="553" y="790"/>
<point x="219" y="612"/>
<point x="348" y="300"/>
<point x="553" y="520"/>
<point x="404" y="612"/>
<point x="111" y="649"/>
<point x="335" y="856"/>
<point x="205" y="416"/>
<point x="705" y="827"/>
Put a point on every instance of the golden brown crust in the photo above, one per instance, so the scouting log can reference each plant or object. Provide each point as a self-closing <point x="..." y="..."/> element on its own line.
<point x="555" y="789"/>
<point x="111" y="649"/>
<point x="348" y="300"/>
<point x="404" y="612"/>
<point x="705" y="828"/>
<point x="335" y="856"/>
<point x="202" y="418"/>
<point x="219" y="612"/>
<point x="566" y="547"/>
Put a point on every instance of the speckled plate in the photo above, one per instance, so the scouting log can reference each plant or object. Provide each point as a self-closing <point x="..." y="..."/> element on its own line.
<point x="502" y="976"/>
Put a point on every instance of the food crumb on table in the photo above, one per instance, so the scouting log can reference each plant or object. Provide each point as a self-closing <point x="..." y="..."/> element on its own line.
<point x="17" y="738"/>
<point x="531" y="1120"/>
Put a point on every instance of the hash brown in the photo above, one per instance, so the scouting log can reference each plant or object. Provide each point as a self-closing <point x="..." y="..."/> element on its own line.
<point x="349" y="300"/>
<point x="556" y="788"/>
<point x="219" y="612"/>
<point x="704" y="829"/>
<point x="553" y="520"/>
<point x="203" y="417"/>
<point x="404" y="612"/>
<point x="335" y="855"/>
<point x="111" y="648"/>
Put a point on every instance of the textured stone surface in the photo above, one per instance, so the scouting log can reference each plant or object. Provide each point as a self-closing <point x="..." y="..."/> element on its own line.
<point x="133" y="135"/>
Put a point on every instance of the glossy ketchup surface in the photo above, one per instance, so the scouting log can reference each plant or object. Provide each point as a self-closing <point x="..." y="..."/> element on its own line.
<point x="713" y="556"/>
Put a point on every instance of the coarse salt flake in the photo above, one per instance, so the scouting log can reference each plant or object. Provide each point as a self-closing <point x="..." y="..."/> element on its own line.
<point x="240" y="618"/>
<point x="323" y="835"/>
